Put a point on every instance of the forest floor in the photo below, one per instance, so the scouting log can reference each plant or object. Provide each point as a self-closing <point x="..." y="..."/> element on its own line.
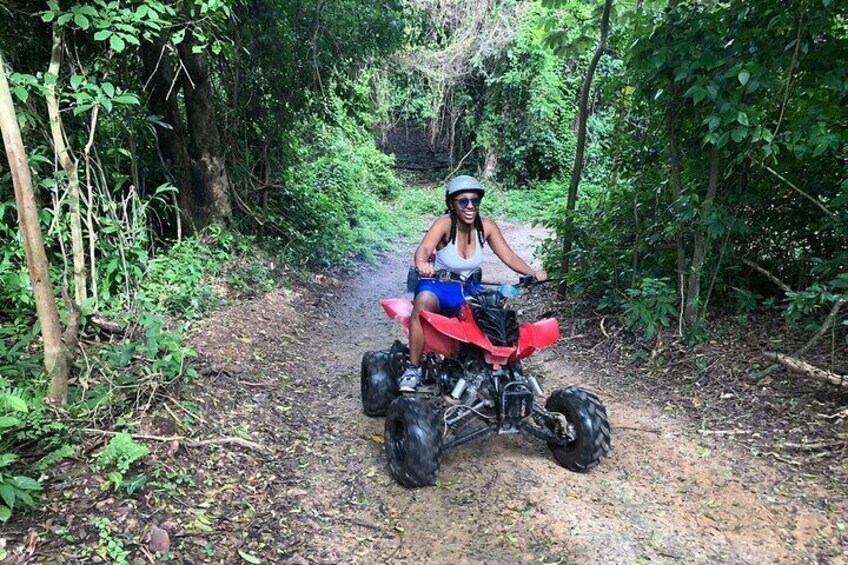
<point x="697" y="473"/>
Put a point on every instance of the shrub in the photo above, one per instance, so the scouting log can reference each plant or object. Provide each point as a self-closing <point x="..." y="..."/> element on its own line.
<point x="650" y="306"/>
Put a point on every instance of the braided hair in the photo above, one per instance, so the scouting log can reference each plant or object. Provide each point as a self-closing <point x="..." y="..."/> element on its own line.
<point x="478" y="224"/>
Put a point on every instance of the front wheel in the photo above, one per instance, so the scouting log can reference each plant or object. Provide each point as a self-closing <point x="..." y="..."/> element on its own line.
<point x="589" y="426"/>
<point x="378" y="384"/>
<point x="413" y="442"/>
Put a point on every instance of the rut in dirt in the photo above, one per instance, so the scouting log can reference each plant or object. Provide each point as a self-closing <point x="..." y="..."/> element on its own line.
<point x="326" y="496"/>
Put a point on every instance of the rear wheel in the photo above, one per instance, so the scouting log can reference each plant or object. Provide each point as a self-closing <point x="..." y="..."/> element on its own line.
<point x="588" y="422"/>
<point x="413" y="442"/>
<point x="378" y="384"/>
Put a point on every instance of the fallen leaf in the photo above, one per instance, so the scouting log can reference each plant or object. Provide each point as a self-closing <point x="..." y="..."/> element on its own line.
<point x="249" y="558"/>
<point x="377" y="438"/>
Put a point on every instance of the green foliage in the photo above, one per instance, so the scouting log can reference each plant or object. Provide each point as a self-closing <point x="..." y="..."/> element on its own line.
<point x="755" y="88"/>
<point x="15" y="490"/>
<point x="116" y="459"/>
<point x="746" y="301"/>
<point x="528" y="109"/>
<point x="110" y="546"/>
<point x="120" y="453"/>
<point x="650" y="306"/>
<point x="329" y="209"/>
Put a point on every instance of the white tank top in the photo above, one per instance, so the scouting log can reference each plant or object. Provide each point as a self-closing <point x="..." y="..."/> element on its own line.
<point x="448" y="259"/>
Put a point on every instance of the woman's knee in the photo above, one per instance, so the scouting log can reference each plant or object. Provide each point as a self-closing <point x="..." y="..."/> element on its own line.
<point x="424" y="303"/>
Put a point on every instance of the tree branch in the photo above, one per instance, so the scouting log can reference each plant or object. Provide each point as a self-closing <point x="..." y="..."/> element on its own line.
<point x="789" y="183"/>
<point x="780" y="284"/>
<point x="188" y="442"/>
<point x="803" y="368"/>
<point x="837" y="306"/>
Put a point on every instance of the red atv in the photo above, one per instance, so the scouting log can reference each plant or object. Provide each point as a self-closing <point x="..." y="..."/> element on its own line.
<point x="473" y="386"/>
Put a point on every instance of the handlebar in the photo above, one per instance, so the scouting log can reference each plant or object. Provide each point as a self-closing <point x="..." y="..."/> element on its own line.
<point x="524" y="281"/>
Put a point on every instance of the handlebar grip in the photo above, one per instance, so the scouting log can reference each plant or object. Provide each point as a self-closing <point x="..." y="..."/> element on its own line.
<point x="527" y="280"/>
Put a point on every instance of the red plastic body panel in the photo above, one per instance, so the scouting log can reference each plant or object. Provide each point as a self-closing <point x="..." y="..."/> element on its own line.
<point x="397" y="307"/>
<point x="537" y="335"/>
<point x="443" y="334"/>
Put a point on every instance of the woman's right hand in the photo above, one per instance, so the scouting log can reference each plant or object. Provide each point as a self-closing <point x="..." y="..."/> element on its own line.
<point x="424" y="268"/>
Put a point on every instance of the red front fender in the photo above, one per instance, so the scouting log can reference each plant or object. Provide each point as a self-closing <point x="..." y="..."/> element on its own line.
<point x="535" y="336"/>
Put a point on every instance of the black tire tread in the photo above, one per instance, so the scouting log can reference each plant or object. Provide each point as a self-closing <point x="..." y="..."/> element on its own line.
<point x="589" y="417"/>
<point x="423" y="458"/>
<point x="378" y="385"/>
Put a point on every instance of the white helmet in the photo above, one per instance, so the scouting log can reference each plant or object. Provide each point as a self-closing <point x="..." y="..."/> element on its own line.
<point x="463" y="183"/>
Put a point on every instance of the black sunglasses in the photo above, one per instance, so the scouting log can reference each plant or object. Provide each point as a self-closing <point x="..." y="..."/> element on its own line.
<point x="466" y="202"/>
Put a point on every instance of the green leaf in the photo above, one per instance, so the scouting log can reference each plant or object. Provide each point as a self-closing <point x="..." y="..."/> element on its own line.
<point x="24" y="497"/>
<point x="21" y="93"/>
<point x="249" y="558"/>
<point x="714" y="122"/>
<point x="117" y="43"/>
<point x="64" y="19"/>
<point x="126" y="99"/>
<point x="16" y="404"/>
<point x="82" y="108"/>
<point x="134" y="484"/>
<point x="178" y="37"/>
<point x="81" y="21"/>
<point x="102" y="34"/>
<point x="742" y="118"/>
<point x="25" y="483"/>
<point x="5" y="513"/>
<point x="7" y="493"/>
<point x="743" y="77"/>
<point x="76" y="81"/>
<point x="739" y="134"/>
<point x="48" y="16"/>
<point x="8" y="422"/>
<point x="108" y="88"/>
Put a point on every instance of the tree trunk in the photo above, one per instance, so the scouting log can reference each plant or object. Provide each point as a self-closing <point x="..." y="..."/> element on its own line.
<point x="490" y="163"/>
<point x="171" y="141"/>
<point x="676" y="193"/>
<point x="69" y="164"/>
<point x="583" y="114"/>
<point x="699" y="252"/>
<point x="209" y="176"/>
<point x="56" y="361"/>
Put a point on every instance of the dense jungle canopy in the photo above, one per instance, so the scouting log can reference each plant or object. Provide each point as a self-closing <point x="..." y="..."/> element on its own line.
<point x="689" y="160"/>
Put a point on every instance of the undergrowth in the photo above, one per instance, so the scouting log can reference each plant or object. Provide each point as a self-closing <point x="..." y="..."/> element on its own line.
<point x="332" y="210"/>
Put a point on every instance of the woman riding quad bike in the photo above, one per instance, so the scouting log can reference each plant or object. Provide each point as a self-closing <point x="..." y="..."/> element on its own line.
<point x="456" y="241"/>
<point x="461" y="377"/>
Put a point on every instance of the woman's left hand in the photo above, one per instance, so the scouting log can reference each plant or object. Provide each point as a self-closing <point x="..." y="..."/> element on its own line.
<point x="541" y="275"/>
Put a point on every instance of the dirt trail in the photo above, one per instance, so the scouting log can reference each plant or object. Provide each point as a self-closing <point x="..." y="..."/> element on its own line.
<point x="658" y="498"/>
<point x="288" y="376"/>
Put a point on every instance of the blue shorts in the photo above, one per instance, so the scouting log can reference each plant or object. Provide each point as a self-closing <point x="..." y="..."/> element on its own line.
<point x="451" y="294"/>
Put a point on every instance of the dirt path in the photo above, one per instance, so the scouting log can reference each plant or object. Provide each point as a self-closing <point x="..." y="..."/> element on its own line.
<point x="285" y="373"/>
